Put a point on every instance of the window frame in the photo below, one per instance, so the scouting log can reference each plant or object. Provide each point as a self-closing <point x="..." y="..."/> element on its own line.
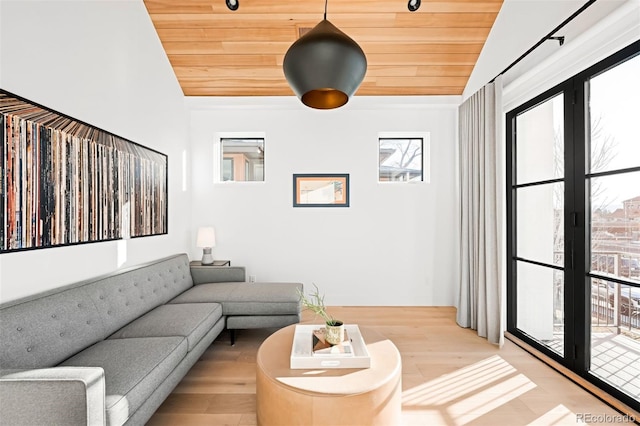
<point x="577" y="231"/>
<point x="425" y="137"/>
<point x="218" y="156"/>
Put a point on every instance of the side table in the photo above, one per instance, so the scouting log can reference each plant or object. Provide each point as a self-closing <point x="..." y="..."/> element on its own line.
<point x="215" y="263"/>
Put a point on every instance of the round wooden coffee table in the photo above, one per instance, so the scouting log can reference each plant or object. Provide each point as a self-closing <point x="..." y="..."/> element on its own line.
<point x="368" y="396"/>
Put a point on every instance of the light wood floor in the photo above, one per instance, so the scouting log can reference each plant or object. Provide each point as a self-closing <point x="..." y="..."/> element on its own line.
<point x="450" y="376"/>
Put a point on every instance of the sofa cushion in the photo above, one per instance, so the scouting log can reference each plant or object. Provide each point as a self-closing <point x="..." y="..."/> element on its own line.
<point x="242" y="298"/>
<point x="128" y="294"/>
<point x="47" y="329"/>
<point x="133" y="368"/>
<point x="190" y="320"/>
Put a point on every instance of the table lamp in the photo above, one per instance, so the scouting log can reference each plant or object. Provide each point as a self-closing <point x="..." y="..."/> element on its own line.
<point x="206" y="239"/>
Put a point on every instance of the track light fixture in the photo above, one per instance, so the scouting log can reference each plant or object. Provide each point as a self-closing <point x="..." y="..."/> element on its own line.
<point x="232" y="4"/>
<point x="413" y="5"/>
<point x="325" y="66"/>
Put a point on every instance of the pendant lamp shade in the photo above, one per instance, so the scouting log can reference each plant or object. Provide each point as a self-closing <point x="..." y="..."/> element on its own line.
<point x="325" y="67"/>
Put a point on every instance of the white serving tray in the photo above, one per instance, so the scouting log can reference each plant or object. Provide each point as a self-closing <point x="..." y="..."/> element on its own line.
<point x="302" y="357"/>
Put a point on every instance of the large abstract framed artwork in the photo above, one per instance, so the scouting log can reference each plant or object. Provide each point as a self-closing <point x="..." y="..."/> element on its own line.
<point x="66" y="182"/>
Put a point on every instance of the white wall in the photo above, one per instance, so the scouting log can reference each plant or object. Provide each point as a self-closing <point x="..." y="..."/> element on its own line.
<point x="100" y="62"/>
<point x="520" y="24"/>
<point x="396" y="244"/>
<point x="613" y="32"/>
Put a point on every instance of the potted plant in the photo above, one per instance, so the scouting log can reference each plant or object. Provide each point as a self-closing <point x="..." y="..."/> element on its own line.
<point x="334" y="329"/>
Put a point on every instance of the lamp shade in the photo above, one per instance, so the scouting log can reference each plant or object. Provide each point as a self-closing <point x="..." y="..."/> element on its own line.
<point x="324" y="67"/>
<point x="206" y="237"/>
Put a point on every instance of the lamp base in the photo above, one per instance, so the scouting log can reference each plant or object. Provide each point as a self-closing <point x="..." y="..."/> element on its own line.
<point x="207" y="258"/>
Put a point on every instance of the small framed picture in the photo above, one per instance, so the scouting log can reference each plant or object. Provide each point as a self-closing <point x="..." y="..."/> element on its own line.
<point x="321" y="190"/>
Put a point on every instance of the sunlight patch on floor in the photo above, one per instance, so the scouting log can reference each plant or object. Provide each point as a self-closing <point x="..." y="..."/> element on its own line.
<point x="485" y="401"/>
<point x="466" y="394"/>
<point x="452" y="386"/>
<point x="559" y="415"/>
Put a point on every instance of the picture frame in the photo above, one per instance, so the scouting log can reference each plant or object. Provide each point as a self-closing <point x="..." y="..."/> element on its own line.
<point x="66" y="182"/>
<point x="321" y="190"/>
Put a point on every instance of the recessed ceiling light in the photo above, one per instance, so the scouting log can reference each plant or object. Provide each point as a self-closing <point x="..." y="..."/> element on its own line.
<point x="232" y="4"/>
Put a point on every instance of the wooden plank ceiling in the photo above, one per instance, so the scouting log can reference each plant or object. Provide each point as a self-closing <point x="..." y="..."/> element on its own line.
<point x="217" y="52"/>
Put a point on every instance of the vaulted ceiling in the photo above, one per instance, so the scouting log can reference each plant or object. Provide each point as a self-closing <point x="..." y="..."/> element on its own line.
<point x="218" y="52"/>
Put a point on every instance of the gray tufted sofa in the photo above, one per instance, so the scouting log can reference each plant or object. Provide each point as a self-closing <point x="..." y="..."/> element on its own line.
<point x="111" y="349"/>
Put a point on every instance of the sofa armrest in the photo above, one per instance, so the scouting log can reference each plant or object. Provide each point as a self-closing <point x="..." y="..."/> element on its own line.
<point x="53" y="396"/>
<point x="217" y="274"/>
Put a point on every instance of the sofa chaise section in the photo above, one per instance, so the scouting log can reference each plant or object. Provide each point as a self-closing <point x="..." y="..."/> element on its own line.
<point x="245" y="305"/>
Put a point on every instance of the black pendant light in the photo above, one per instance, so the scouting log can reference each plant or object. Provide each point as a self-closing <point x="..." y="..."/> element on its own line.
<point x="325" y="66"/>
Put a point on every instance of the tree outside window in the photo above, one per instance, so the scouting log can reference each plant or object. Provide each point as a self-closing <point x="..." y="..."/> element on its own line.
<point x="401" y="160"/>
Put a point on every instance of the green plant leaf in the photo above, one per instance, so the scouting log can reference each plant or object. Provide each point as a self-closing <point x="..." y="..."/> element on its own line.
<point x="315" y="303"/>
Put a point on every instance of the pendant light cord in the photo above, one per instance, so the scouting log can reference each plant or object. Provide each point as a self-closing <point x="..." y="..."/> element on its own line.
<point x="325" y="9"/>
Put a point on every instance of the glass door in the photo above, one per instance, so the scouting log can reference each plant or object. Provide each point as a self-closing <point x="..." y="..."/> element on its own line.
<point x="538" y="196"/>
<point x="613" y="187"/>
<point x="573" y="224"/>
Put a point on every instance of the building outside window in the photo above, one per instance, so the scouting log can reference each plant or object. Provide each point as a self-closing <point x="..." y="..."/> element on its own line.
<point x="242" y="159"/>
<point x="401" y="159"/>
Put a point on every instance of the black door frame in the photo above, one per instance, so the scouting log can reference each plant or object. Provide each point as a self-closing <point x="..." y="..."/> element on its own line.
<point x="577" y="244"/>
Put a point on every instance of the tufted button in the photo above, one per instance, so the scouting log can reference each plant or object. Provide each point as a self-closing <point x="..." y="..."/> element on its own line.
<point x="108" y="312"/>
<point x="29" y="349"/>
<point x="101" y="297"/>
<point x="88" y="322"/>
<point x="19" y="329"/>
<point x="79" y="305"/>
<point x="53" y="316"/>
<point x="61" y="334"/>
<point x="135" y="284"/>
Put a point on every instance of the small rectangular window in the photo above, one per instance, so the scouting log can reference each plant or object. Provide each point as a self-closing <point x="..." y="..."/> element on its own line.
<point x="242" y="159"/>
<point x="401" y="160"/>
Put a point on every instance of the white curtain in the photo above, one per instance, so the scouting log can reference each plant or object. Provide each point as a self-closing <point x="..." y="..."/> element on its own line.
<point x="480" y="172"/>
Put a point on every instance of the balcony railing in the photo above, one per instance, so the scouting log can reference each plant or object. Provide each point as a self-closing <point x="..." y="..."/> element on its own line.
<point x="613" y="305"/>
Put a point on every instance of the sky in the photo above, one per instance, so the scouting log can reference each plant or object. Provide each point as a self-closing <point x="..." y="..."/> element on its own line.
<point x="615" y="98"/>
